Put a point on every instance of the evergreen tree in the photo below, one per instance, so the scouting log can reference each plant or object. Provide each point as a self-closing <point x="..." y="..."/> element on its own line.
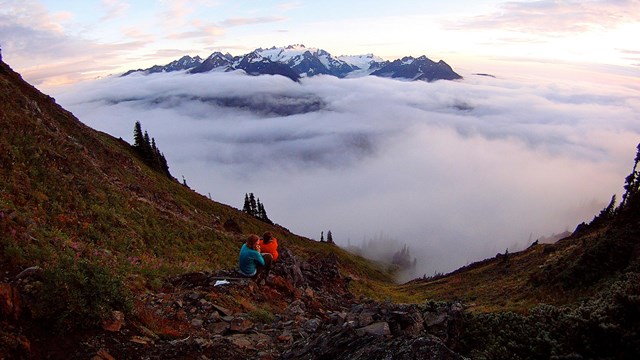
<point x="260" y="209"/>
<point x="138" y="137"/>
<point x="329" y="237"/>
<point x="632" y="184"/>
<point x="146" y="147"/>
<point x="253" y="207"/>
<point x="246" y="208"/>
<point x="322" y="236"/>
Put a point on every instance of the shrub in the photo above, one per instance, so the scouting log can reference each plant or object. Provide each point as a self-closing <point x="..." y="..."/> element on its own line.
<point x="262" y="315"/>
<point x="605" y="327"/>
<point x="77" y="294"/>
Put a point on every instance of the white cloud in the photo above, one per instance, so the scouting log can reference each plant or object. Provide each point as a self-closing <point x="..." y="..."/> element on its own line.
<point x="556" y="17"/>
<point x="457" y="170"/>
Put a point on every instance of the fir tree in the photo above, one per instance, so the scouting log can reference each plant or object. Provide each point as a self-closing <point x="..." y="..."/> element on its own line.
<point x="259" y="209"/>
<point x="329" y="237"/>
<point x="138" y="137"/>
<point x="321" y="236"/>
<point x="246" y="208"/>
<point x="253" y="207"/>
<point x="147" y="149"/>
<point x="632" y="183"/>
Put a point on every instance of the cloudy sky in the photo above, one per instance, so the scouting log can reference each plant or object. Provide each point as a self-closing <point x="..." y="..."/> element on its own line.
<point x="457" y="170"/>
<point x="57" y="41"/>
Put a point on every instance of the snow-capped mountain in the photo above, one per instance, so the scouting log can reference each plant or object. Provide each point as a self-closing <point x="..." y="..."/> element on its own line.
<point x="421" y="68"/>
<point x="298" y="61"/>
<point x="184" y="63"/>
<point x="217" y="60"/>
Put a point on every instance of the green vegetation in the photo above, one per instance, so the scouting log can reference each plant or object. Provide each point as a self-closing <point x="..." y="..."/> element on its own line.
<point x="262" y="315"/>
<point x="76" y="293"/>
<point x="603" y="327"/>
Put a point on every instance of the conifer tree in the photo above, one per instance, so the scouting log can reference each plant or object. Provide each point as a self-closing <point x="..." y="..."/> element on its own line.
<point x="149" y="151"/>
<point x="138" y="137"/>
<point x="632" y="183"/>
<point x="321" y="236"/>
<point x="259" y="209"/>
<point x="253" y="207"/>
<point x="329" y="237"/>
<point x="246" y="208"/>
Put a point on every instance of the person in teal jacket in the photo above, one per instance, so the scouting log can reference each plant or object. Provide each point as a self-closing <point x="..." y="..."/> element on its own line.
<point x="251" y="263"/>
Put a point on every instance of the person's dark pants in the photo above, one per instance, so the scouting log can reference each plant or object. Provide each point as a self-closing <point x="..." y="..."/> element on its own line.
<point x="263" y="271"/>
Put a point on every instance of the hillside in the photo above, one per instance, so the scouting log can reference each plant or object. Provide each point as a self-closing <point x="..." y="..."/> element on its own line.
<point x="103" y="257"/>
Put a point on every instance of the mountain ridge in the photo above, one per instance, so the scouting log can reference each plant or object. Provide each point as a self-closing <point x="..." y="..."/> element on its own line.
<point x="298" y="61"/>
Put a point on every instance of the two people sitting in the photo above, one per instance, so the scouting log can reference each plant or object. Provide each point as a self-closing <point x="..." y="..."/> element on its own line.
<point x="257" y="255"/>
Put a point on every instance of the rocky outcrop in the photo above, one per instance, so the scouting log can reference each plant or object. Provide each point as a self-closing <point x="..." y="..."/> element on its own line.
<point x="303" y="311"/>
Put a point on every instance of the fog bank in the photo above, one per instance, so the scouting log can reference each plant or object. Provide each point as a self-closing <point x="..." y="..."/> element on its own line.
<point x="457" y="170"/>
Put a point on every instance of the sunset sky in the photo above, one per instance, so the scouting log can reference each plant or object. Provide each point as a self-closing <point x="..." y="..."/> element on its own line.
<point x="53" y="42"/>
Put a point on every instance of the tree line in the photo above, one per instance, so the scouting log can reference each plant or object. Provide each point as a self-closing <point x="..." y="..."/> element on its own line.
<point x="146" y="147"/>
<point x="255" y="208"/>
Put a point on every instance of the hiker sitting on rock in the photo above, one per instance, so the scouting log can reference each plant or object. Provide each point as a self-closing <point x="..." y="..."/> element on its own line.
<point x="269" y="244"/>
<point x="251" y="262"/>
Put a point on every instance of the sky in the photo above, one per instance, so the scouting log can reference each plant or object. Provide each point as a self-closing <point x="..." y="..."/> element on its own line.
<point x="457" y="170"/>
<point x="53" y="42"/>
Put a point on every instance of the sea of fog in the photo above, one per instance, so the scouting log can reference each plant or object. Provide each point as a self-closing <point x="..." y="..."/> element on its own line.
<point x="458" y="171"/>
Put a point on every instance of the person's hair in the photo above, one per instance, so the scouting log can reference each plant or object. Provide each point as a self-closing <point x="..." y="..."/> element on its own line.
<point x="267" y="236"/>
<point x="252" y="239"/>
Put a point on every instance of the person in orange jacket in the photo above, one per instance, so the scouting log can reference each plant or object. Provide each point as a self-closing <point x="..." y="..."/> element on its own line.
<point x="269" y="245"/>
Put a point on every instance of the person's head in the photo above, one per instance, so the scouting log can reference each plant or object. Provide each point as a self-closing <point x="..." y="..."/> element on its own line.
<point x="252" y="241"/>
<point x="267" y="236"/>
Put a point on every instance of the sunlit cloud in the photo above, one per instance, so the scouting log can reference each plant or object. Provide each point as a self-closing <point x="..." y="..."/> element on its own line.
<point x="290" y="5"/>
<point x="251" y="21"/>
<point x="113" y="9"/>
<point x="555" y="17"/>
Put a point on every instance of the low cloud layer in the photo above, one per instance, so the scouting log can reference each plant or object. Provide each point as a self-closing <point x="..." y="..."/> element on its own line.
<point x="458" y="171"/>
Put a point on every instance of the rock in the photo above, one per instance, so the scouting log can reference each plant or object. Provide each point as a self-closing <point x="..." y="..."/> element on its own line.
<point x="218" y="328"/>
<point x="10" y="305"/>
<point x="285" y="337"/>
<point x="30" y="271"/>
<point x="365" y="318"/>
<point x="309" y="292"/>
<point x="241" y="341"/>
<point x="143" y="340"/>
<point x="378" y="329"/>
<point x="115" y="322"/>
<point x="103" y="355"/>
<point x="197" y="323"/>
<point x="435" y="319"/>
<point x="240" y="325"/>
<point x="311" y="326"/>
<point x="223" y="310"/>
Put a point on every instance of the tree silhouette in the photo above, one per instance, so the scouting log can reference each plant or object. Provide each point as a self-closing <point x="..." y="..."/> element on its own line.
<point x="632" y="184"/>
<point x="246" y="208"/>
<point x="148" y="150"/>
<point x="329" y="237"/>
<point x="255" y="208"/>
